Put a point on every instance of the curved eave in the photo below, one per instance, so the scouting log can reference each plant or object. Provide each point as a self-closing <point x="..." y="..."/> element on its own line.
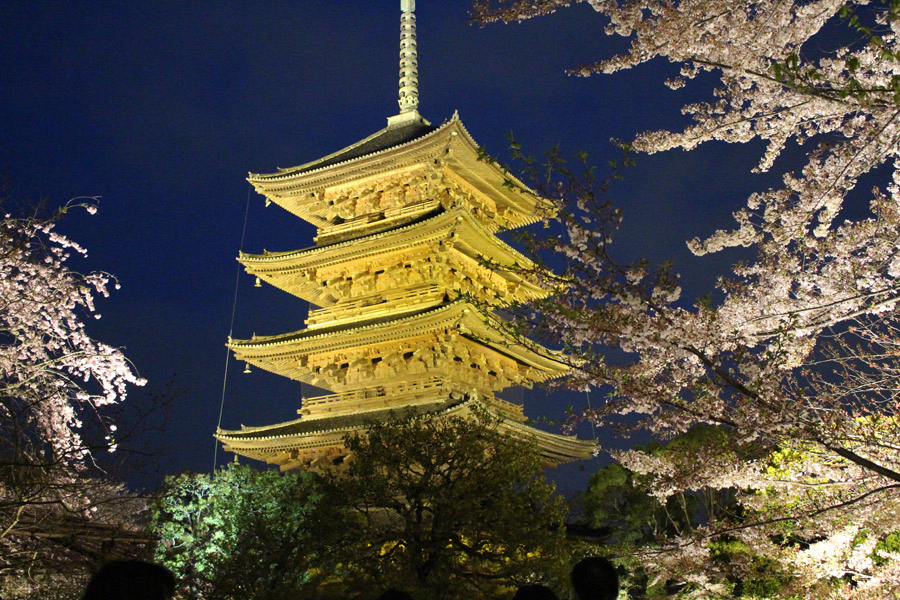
<point x="259" y="442"/>
<point x="280" y="354"/>
<point x="555" y="448"/>
<point x="402" y="136"/>
<point x="280" y="434"/>
<point x="281" y="268"/>
<point x="450" y="142"/>
<point x="491" y="331"/>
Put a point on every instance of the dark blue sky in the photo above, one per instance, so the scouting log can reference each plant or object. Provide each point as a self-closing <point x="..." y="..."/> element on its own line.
<point x="162" y="108"/>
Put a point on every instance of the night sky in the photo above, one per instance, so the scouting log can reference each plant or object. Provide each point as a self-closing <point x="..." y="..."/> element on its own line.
<point x="162" y="108"/>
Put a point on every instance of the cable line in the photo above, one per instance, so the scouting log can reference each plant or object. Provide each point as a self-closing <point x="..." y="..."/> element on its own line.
<point x="237" y="280"/>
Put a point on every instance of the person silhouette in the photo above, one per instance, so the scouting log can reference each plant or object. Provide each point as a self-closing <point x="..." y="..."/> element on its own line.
<point x="130" y="580"/>
<point x="595" y="578"/>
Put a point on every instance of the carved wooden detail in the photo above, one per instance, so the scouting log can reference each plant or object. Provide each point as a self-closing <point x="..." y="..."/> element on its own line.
<point x="453" y="272"/>
<point x="454" y="358"/>
<point x="347" y="211"/>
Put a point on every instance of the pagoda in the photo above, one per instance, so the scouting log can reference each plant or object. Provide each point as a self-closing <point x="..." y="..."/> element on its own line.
<point x="406" y="276"/>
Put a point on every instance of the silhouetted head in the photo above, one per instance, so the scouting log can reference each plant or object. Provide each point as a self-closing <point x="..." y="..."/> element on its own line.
<point x="131" y="580"/>
<point x="595" y="578"/>
<point x="534" y="591"/>
<point x="394" y="594"/>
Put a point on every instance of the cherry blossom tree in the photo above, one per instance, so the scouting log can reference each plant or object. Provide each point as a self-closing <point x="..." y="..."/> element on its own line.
<point x="798" y="362"/>
<point x="55" y="381"/>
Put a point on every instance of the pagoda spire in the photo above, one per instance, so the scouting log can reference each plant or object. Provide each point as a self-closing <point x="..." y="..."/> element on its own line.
<point x="409" y="68"/>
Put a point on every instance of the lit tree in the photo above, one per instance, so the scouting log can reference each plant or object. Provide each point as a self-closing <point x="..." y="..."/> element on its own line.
<point x="447" y="507"/>
<point x="247" y="534"/>
<point x="443" y="507"/>
<point x="55" y="381"/>
<point x="798" y="362"/>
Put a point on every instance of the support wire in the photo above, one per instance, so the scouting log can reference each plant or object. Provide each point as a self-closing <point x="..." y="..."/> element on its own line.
<point x="237" y="281"/>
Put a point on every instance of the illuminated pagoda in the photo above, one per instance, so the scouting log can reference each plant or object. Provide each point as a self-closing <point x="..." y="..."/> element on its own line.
<point x="407" y="221"/>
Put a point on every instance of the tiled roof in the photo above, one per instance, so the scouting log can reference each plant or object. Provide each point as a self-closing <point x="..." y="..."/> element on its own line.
<point x="382" y="140"/>
<point x="357" y="421"/>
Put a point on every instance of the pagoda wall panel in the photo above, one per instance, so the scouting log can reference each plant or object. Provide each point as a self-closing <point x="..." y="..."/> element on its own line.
<point x="463" y="362"/>
<point x="443" y="264"/>
<point x="363" y="205"/>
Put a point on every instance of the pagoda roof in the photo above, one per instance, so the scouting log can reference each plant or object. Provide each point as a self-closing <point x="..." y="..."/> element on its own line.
<point x="270" y="441"/>
<point x="279" y="353"/>
<point x="304" y="426"/>
<point x="473" y="240"/>
<point x="378" y="141"/>
<point x="396" y="148"/>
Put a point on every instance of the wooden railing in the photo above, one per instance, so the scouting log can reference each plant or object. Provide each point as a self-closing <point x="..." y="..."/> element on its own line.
<point x="366" y="220"/>
<point x="506" y="408"/>
<point x="374" y="306"/>
<point x="397" y="396"/>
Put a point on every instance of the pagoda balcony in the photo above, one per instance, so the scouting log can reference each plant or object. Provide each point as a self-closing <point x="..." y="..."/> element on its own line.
<point x="376" y="306"/>
<point x="373" y="222"/>
<point x="400" y="397"/>
<point x="411" y="393"/>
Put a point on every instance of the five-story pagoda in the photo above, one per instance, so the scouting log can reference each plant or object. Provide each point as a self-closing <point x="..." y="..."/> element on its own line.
<point x="407" y="221"/>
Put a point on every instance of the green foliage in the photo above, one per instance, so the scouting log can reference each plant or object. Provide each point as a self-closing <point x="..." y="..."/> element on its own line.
<point x="444" y="507"/>
<point x="243" y="533"/>
<point x="890" y="544"/>
<point x="451" y="508"/>
<point x="620" y="499"/>
<point x="751" y="575"/>
<point x="615" y="500"/>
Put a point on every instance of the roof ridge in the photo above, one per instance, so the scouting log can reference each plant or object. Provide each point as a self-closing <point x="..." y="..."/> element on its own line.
<point x="305" y="169"/>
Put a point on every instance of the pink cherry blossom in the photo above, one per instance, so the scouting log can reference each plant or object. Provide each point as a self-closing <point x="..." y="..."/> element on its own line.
<point x="799" y="362"/>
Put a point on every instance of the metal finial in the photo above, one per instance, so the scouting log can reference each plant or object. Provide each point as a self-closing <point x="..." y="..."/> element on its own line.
<point x="409" y="60"/>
